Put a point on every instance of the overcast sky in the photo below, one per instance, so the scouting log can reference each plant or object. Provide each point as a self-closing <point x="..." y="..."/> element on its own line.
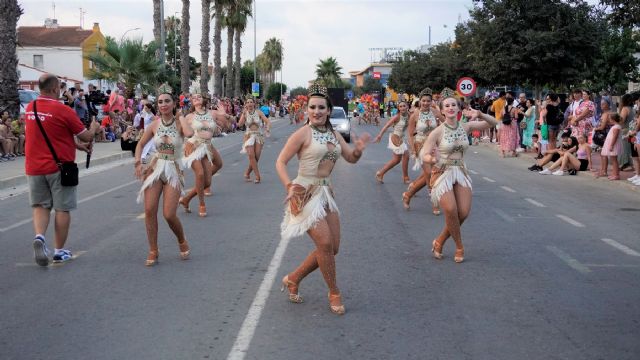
<point x="309" y="29"/>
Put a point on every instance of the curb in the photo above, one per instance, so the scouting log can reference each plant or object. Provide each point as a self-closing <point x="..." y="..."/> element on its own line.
<point x="623" y="183"/>
<point x="15" y="181"/>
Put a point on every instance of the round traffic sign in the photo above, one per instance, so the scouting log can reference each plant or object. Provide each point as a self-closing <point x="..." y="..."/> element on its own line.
<point x="466" y="86"/>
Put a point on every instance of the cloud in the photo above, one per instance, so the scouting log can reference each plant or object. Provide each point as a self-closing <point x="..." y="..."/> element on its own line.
<point x="309" y="29"/>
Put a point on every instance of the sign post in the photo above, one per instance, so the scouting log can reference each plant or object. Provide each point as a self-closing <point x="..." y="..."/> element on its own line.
<point x="466" y="86"/>
<point x="255" y="89"/>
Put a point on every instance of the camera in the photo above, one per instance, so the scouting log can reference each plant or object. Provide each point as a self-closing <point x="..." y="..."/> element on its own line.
<point x="97" y="97"/>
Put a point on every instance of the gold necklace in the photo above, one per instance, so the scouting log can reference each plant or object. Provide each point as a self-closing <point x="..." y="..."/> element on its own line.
<point x="173" y="119"/>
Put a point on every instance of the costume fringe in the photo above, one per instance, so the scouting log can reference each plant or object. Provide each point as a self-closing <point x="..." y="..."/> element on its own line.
<point x="451" y="176"/>
<point x="169" y="169"/>
<point x="201" y="151"/>
<point x="253" y="138"/>
<point x="313" y="211"/>
<point x="398" y="150"/>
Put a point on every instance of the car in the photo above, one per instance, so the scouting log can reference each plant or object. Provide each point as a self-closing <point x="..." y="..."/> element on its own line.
<point x="341" y="122"/>
<point x="26" y="96"/>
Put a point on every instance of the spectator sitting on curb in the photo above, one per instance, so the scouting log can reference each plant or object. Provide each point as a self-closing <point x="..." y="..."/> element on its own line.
<point x="17" y="128"/>
<point x="7" y="140"/>
<point x="536" y="146"/>
<point x="569" y="144"/>
<point x="572" y="163"/>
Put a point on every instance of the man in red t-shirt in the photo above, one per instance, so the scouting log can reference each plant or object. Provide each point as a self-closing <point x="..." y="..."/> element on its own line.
<point x="61" y="124"/>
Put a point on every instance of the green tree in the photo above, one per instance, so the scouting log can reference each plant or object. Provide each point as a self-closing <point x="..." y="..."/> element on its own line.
<point x="185" y="78"/>
<point x="295" y="92"/>
<point x="615" y="64"/>
<point x="130" y="62"/>
<point x="246" y="77"/>
<point x="205" y="5"/>
<point x="9" y="98"/>
<point x="238" y="19"/>
<point x="624" y="13"/>
<point x="174" y="54"/>
<point x="272" y="54"/>
<point x="410" y="73"/>
<point x="372" y="85"/>
<point x="273" y="92"/>
<point x="328" y="72"/>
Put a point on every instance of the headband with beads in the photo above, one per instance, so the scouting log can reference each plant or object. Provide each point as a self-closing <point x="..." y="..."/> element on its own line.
<point x="447" y="93"/>
<point x="425" y="92"/>
<point x="164" y="89"/>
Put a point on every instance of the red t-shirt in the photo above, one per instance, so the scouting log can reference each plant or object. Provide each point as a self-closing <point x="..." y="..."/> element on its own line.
<point x="60" y="123"/>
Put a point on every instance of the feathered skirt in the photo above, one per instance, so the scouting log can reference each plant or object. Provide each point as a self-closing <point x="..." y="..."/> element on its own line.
<point x="451" y="174"/>
<point x="320" y="200"/>
<point x="165" y="168"/>
<point x="397" y="149"/>
<point x="251" y="137"/>
<point x="202" y="148"/>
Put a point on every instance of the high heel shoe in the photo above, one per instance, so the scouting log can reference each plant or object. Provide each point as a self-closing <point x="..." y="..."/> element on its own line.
<point x="435" y="210"/>
<point x="379" y="177"/>
<point x="459" y="255"/>
<point x="152" y="258"/>
<point x="185" y="250"/>
<point x="257" y="180"/>
<point x="208" y="192"/>
<point x="202" y="211"/>
<point x="436" y="249"/>
<point x="294" y="297"/>
<point x="406" y="200"/>
<point x="185" y="205"/>
<point x="406" y="179"/>
<point x="335" y="304"/>
<point x="247" y="177"/>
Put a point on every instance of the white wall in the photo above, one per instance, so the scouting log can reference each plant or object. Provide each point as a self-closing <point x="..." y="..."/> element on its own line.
<point x="61" y="61"/>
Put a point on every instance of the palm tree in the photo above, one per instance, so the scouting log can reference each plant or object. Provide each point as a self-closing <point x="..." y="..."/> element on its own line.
<point x="9" y="99"/>
<point x="204" y="46"/>
<point x="156" y="22"/>
<point x="129" y="62"/>
<point x="239" y="22"/>
<point x="329" y="72"/>
<point x="185" y="81"/>
<point x="218" y="12"/>
<point x="273" y="54"/>
<point x="227" y="22"/>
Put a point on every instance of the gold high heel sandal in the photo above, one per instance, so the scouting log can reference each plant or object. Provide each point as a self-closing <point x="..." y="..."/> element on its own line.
<point x="208" y="192"/>
<point x="335" y="304"/>
<point x="436" y="249"/>
<point x="406" y="200"/>
<point x="184" y="205"/>
<point x="152" y="258"/>
<point x="459" y="255"/>
<point x="294" y="297"/>
<point x="435" y="210"/>
<point x="185" y="250"/>
<point x="202" y="211"/>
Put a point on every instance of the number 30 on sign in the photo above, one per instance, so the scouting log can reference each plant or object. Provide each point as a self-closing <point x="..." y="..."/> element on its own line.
<point x="466" y="86"/>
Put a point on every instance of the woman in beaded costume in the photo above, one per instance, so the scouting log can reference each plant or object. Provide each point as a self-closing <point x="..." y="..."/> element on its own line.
<point x="424" y="120"/>
<point x="163" y="174"/>
<point x="451" y="184"/>
<point x="253" y="137"/>
<point x="311" y="207"/>
<point x="396" y="143"/>
<point x="199" y="153"/>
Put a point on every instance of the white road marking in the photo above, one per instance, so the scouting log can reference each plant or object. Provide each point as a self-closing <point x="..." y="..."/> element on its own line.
<point x="533" y="202"/>
<point x="473" y="172"/>
<point x="141" y="216"/>
<point x="27" y="221"/>
<point x="507" y="189"/>
<point x="570" y="220"/>
<point x="625" y="249"/>
<point x="245" y="335"/>
<point x="573" y="263"/>
<point x="612" y="265"/>
<point x="504" y="215"/>
<point x="488" y="179"/>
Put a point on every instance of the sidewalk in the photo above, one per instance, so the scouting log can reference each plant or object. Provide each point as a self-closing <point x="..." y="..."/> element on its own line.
<point x="12" y="172"/>
<point x="528" y="159"/>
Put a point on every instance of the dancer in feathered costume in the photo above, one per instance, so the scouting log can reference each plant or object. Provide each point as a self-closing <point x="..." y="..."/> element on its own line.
<point x="253" y="140"/>
<point x="450" y="182"/>
<point x="397" y="145"/>
<point x="163" y="174"/>
<point x="199" y="152"/>
<point x="311" y="207"/>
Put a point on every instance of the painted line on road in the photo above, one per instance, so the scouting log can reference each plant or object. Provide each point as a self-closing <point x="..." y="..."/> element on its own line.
<point x="625" y="249"/>
<point x="504" y="215"/>
<point x="573" y="263"/>
<point x="507" y="189"/>
<point x="141" y="216"/>
<point x="27" y="221"/>
<point x="488" y="179"/>
<point x="533" y="202"/>
<point x="473" y="172"/>
<point x="612" y="265"/>
<point x="248" y="329"/>
<point x="570" y="220"/>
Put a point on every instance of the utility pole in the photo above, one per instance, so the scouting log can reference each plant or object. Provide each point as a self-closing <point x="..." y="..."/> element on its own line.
<point x="163" y="35"/>
<point x="254" y="42"/>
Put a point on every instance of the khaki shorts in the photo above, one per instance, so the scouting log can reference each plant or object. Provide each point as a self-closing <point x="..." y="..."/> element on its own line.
<point x="47" y="191"/>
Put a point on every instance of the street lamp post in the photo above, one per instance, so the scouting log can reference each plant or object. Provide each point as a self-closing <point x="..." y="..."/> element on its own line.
<point x="175" y="45"/>
<point x="254" y="41"/>
<point x="125" y="33"/>
<point x="162" y="33"/>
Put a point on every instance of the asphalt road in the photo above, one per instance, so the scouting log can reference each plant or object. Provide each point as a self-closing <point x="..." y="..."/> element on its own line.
<point x="538" y="281"/>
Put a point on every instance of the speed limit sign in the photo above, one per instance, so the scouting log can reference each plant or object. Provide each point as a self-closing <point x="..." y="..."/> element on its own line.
<point x="466" y="86"/>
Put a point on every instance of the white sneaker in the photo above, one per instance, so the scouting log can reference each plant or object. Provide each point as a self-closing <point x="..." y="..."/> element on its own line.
<point x="545" y="172"/>
<point x="558" y="173"/>
<point x="633" y="178"/>
<point x="636" y="182"/>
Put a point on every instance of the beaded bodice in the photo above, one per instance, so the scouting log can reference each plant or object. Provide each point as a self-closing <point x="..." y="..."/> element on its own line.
<point x="203" y="122"/>
<point x="323" y="146"/>
<point x="454" y="142"/>
<point x="401" y="125"/>
<point x="252" y="119"/>
<point x="167" y="137"/>
<point x="426" y="123"/>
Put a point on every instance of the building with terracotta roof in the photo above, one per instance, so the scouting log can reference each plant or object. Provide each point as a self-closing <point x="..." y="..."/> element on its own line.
<point x="60" y="50"/>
